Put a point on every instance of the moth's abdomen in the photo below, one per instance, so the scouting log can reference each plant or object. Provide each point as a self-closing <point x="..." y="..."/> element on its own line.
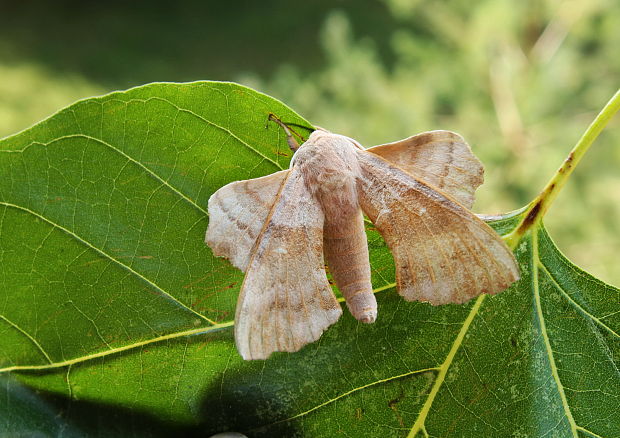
<point x="346" y="252"/>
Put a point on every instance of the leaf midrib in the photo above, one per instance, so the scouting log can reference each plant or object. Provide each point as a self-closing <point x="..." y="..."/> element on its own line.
<point x="116" y="350"/>
<point x="543" y="330"/>
<point x="419" y="424"/>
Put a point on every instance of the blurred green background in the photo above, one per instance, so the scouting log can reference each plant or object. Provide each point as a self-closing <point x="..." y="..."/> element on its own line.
<point x="520" y="81"/>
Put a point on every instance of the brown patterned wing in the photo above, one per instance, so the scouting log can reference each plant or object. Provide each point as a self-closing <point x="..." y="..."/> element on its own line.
<point x="443" y="253"/>
<point x="285" y="301"/>
<point x="237" y="213"/>
<point x="441" y="158"/>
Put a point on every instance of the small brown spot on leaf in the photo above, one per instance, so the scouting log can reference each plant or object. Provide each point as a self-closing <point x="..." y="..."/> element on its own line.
<point x="513" y="341"/>
<point x="393" y="406"/>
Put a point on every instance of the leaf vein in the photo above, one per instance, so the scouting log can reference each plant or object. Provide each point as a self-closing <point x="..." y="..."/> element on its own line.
<point x="122" y="153"/>
<point x="210" y="123"/>
<point x="108" y="256"/>
<point x="576" y="305"/>
<point x="359" y="388"/>
<point x="28" y="335"/>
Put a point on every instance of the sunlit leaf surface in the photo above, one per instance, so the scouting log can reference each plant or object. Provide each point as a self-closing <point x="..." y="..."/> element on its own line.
<point x="115" y="319"/>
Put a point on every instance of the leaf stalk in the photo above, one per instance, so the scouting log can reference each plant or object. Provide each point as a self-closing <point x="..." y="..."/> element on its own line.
<point x="536" y="209"/>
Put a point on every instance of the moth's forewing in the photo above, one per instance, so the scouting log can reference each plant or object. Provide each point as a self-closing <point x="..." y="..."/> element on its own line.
<point x="285" y="301"/>
<point x="442" y="251"/>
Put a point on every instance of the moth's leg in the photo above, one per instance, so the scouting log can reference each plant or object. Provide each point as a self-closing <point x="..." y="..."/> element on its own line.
<point x="292" y="143"/>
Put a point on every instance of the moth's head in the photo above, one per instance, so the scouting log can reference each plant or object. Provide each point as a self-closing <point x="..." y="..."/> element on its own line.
<point x="321" y="142"/>
<point x="324" y="137"/>
<point x="317" y="134"/>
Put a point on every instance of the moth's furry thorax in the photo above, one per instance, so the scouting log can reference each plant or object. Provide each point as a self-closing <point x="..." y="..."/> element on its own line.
<point x="330" y="169"/>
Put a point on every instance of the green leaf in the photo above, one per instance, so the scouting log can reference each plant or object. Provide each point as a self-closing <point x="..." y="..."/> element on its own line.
<point x="115" y="319"/>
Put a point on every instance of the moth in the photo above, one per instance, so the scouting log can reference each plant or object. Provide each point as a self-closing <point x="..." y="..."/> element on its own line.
<point x="281" y="229"/>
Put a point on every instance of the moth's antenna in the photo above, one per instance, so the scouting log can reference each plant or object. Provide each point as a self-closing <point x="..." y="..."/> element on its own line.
<point x="292" y="143"/>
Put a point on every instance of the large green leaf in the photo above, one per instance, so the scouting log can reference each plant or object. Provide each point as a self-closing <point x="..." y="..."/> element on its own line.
<point x="115" y="319"/>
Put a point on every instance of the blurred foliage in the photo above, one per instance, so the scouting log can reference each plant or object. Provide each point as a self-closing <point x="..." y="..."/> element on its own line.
<point x="520" y="80"/>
